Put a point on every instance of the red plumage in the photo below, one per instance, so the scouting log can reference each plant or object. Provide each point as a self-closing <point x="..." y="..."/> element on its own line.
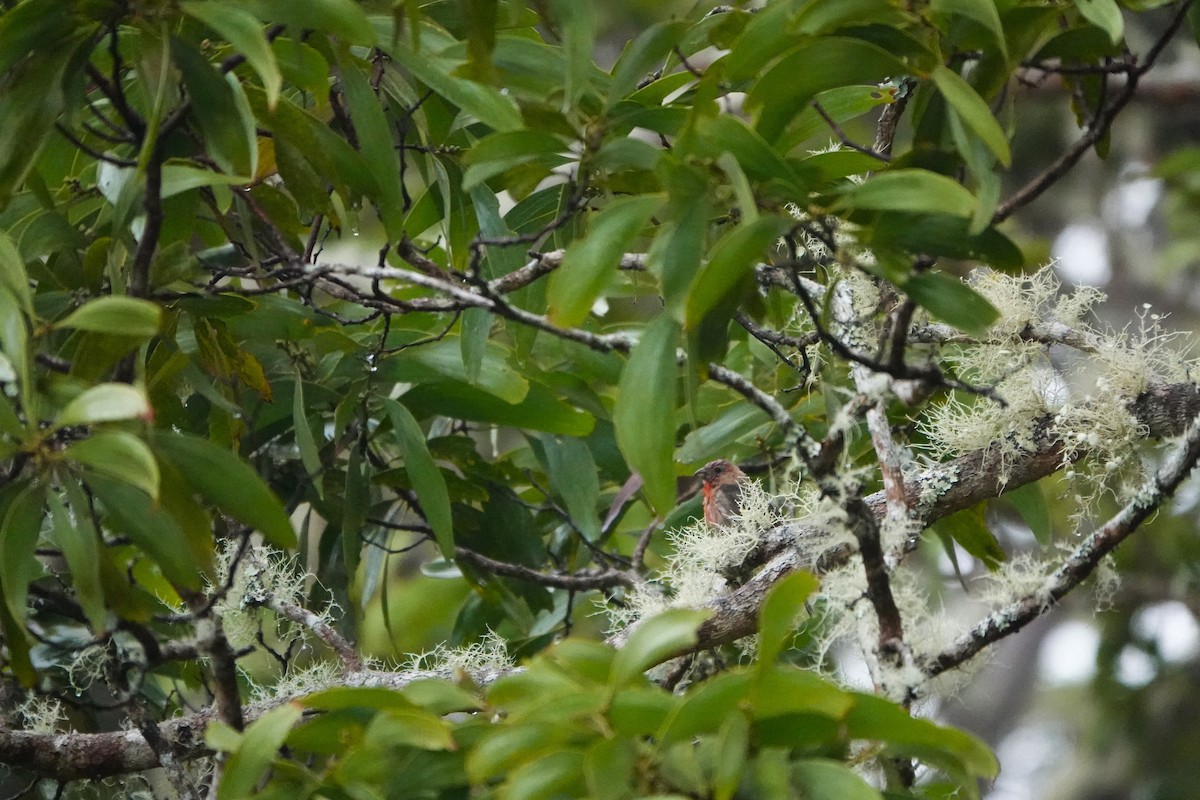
<point x="722" y="485"/>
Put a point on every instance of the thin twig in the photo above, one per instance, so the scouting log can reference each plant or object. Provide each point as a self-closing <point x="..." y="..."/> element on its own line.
<point x="574" y="581"/>
<point x="846" y="140"/>
<point x="1099" y="126"/>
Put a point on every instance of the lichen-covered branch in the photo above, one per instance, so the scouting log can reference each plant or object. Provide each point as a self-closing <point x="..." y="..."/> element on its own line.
<point x="933" y="494"/>
<point x="1078" y="566"/>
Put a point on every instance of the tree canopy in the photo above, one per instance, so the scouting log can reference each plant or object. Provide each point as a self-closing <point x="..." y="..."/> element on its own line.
<point x="356" y="359"/>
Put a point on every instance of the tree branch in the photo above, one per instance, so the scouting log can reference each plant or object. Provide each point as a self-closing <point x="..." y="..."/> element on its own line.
<point x="1078" y="566"/>
<point x="1099" y="126"/>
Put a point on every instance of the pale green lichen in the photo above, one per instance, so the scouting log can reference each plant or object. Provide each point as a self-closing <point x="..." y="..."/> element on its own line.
<point x="38" y="714"/>
<point x="262" y="573"/>
<point x="488" y="654"/>
<point x="703" y="553"/>
<point x="1085" y="399"/>
<point x="297" y="682"/>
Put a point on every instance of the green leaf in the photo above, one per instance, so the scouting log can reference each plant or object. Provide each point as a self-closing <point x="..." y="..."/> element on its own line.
<point x="376" y="142"/>
<point x="150" y="527"/>
<point x="502" y="151"/>
<point x="730" y="267"/>
<point x="178" y="178"/>
<point x="178" y="499"/>
<point x="508" y="746"/>
<point x="412" y="727"/>
<point x="443" y="359"/>
<point x="77" y="537"/>
<point x="14" y="337"/>
<point x="641" y="56"/>
<point x="345" y="19"/>
<point x="951" y="300"/>
<point x="539" y="410"/>
<point x="19" y="532"/>
<point x="376" y="698"/>
<point x="644" y="411"/>
<point x="784" y="690"/>
<point x="256" y="749"/>
<point x="842" y="105"/>
<point x="35" y="25"/>
<point x="1105" y="15"/>
<point x="969" y="528"/>
<point x="944" y="235"/>
<point x="589" y="263"/>
<point x="120" y="455"/>
<point x="120" y="316"/>
<point x="878" y="719"/>
<point x="245" y="33"/>
<point x="911" y="190"/>
<point x="1030" y="503"/>
<point x="486" y="104"/>
<point x="608" y="768"/>
<point x="704" y="707"/>
<point x="13" y="278"/>
<point x="720" y="436"/>
<point x="572" y="472"/>
<point x="426" y="477"/>
<point x="577" y="23"/>
<point x="655" y="640"/>
<point x="777" y="616"/>
<point x="981" y="12"/>
<point x="440" y="696"/>
<point x="224" y="480"/>
<point x="638" y="711"/>
<point x="105" y="402"/>
<point x="732" y="749"/>
<point x="972" y="109"/>
<point x="21" y="506"/>
<point x="826" y="779"/>
<point x="759" y="160"/>
<point x="812" y="67"/>
<point x="305" y="441"/>
<point x="356" y="497"/>
<point x="29" y="106"/>
<point x="558" y="774"/>
<point x="231" y="142"/>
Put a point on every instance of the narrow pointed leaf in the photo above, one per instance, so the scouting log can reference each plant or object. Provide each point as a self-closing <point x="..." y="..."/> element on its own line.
<point x="80" y="545"/>
<point x="224" y="480"/>
<point x="121" y="316"/>
<point x="119" y="455"/>
<point x="645" y="411"/>
<point x="256" y="749"/>
<point x="589" y="263"/>
<point x="973" y="111"/>
<point x="245" y="33"/>
<point x="105" y="402"/>
<point x="425" y="475"/>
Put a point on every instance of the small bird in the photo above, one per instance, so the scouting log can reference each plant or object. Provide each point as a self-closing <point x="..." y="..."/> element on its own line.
<point x="722" y="484"/>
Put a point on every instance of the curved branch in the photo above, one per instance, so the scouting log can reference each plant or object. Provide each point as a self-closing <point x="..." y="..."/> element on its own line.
<point x="1078" y="566"/>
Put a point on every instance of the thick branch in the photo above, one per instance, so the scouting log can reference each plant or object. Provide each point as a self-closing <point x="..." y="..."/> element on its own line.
<point x="73" y="756"/>
<point x="1081" y="563"/>
<point x="1165" y="409"/>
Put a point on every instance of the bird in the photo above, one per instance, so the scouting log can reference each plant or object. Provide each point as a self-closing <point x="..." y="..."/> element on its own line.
<point x="722" y="485"/>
